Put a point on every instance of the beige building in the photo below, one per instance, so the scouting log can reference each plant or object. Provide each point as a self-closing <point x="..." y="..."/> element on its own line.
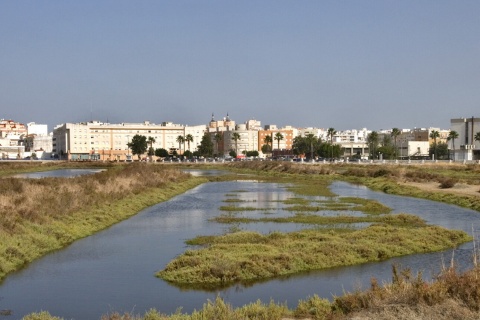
<point x="104" y="141"/>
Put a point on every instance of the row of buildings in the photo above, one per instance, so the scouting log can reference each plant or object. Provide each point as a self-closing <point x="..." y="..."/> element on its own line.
<point x="94" y="140"/>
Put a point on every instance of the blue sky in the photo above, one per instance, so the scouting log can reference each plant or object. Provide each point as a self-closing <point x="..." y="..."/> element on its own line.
<point x="342" y="64"/>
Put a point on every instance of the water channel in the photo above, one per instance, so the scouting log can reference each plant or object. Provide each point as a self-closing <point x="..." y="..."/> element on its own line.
<point x="60" y="173"/>
<point x="113" y="270"/>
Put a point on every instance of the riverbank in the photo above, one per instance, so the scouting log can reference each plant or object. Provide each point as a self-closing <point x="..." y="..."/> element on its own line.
<point x="42" y="215"/>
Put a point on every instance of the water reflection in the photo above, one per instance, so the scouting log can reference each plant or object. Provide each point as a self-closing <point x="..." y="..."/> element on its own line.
<point x="114" y="269"/>
<point x="60" y="173"/>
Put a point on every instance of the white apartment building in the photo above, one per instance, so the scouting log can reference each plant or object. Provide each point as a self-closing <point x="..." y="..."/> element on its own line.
<point x="248" y="140"/>
<point x="466" y="147"/>
<point x="104" y="141"/>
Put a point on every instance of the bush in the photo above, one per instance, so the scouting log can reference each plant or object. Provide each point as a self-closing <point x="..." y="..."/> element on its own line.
<point x="447" y="183"/>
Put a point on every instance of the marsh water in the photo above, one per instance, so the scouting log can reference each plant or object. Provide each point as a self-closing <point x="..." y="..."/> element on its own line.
<point x="114" y="270"/>
<point x="60" y="173"/>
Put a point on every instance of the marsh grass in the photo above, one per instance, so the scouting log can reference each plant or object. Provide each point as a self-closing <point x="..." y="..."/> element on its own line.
<point x="247" y="256"/>
<point x="41" y="215"/>
<point x="237" y="208"/>
<point x="297" y="200"/>
<point x="302" y="218"/>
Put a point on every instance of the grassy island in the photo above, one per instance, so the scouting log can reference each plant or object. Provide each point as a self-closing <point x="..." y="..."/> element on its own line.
<point x="246" y="256"/>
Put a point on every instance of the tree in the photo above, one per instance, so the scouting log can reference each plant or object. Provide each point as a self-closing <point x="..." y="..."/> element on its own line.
<point x="278" y="137"/>
<point x="268" y="142"/>
<point x="188" y="139"/>
<point x="434" y="135"/>
<point x="180" y="140"/>
<point x="394" y="134"/>
<point x="161" y="153"/>
<point x="372" y="141"/>
<point x="441" y="150"/>
<point x="310" y="139"/>
<point x="299" y="145"/>
<point x="151" y="151"/>
<point x="188" y="154"/>
<point x="452" y="135"/>
<point x="236" y="137"/>
<point x="330" y="133"/>
<point x="266" y="149"/>
<point x="206" y="146"/>
<point x="477" y="136"/>
<point x="218" y="137"/>
<point x="232" y="154"/>
<point x="253" y="153"/>
<point x="138" y="145"/>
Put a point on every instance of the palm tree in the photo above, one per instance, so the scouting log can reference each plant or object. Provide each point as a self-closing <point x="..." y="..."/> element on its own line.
<point x="188" y="139"/>
<point x="452" y="135"/>
<point x="180" y="140"/>
<point x="372" y="140"/>
<point x="310" y="138"/>
<point x="217" y="138"/>
<point x="151" y="152"/>
<point x="268" y="141"/>
<point x="394" y="134"/>
<point x="434" y="135"/>
<point x="330" y="133"/>
<point x="236" y="137"/>
<point x="278" y="137"/>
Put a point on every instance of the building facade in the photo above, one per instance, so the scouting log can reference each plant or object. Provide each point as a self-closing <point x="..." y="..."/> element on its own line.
<point x="104" y="141"/>
<point x="466" y="146"/>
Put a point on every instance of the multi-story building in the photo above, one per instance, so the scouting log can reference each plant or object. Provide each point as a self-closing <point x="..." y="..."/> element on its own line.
<point x="104" y="141"/>
<point x="466" y="147"/>
<point x="282" y="144"/>
<point x="38" y="141"/>
<point x="247" y="141"/>
<point x="352" y="142"/>
<point x="11" y="128"/>
<point x="11" y="139"/>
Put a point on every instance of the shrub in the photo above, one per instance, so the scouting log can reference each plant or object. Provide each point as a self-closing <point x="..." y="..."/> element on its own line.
<point x="446" y="183"/>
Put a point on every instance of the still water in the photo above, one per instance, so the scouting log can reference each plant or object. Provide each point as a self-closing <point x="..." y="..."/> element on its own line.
<point x="113" y="270"/>
<point x="60" y="173"/>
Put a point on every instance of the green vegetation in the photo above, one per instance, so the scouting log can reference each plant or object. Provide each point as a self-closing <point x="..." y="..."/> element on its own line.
<point x="246" y="256"/>
<point x="41" y="215"/>
<point x="236" y="208"/>
<point x="301" y="218"/>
